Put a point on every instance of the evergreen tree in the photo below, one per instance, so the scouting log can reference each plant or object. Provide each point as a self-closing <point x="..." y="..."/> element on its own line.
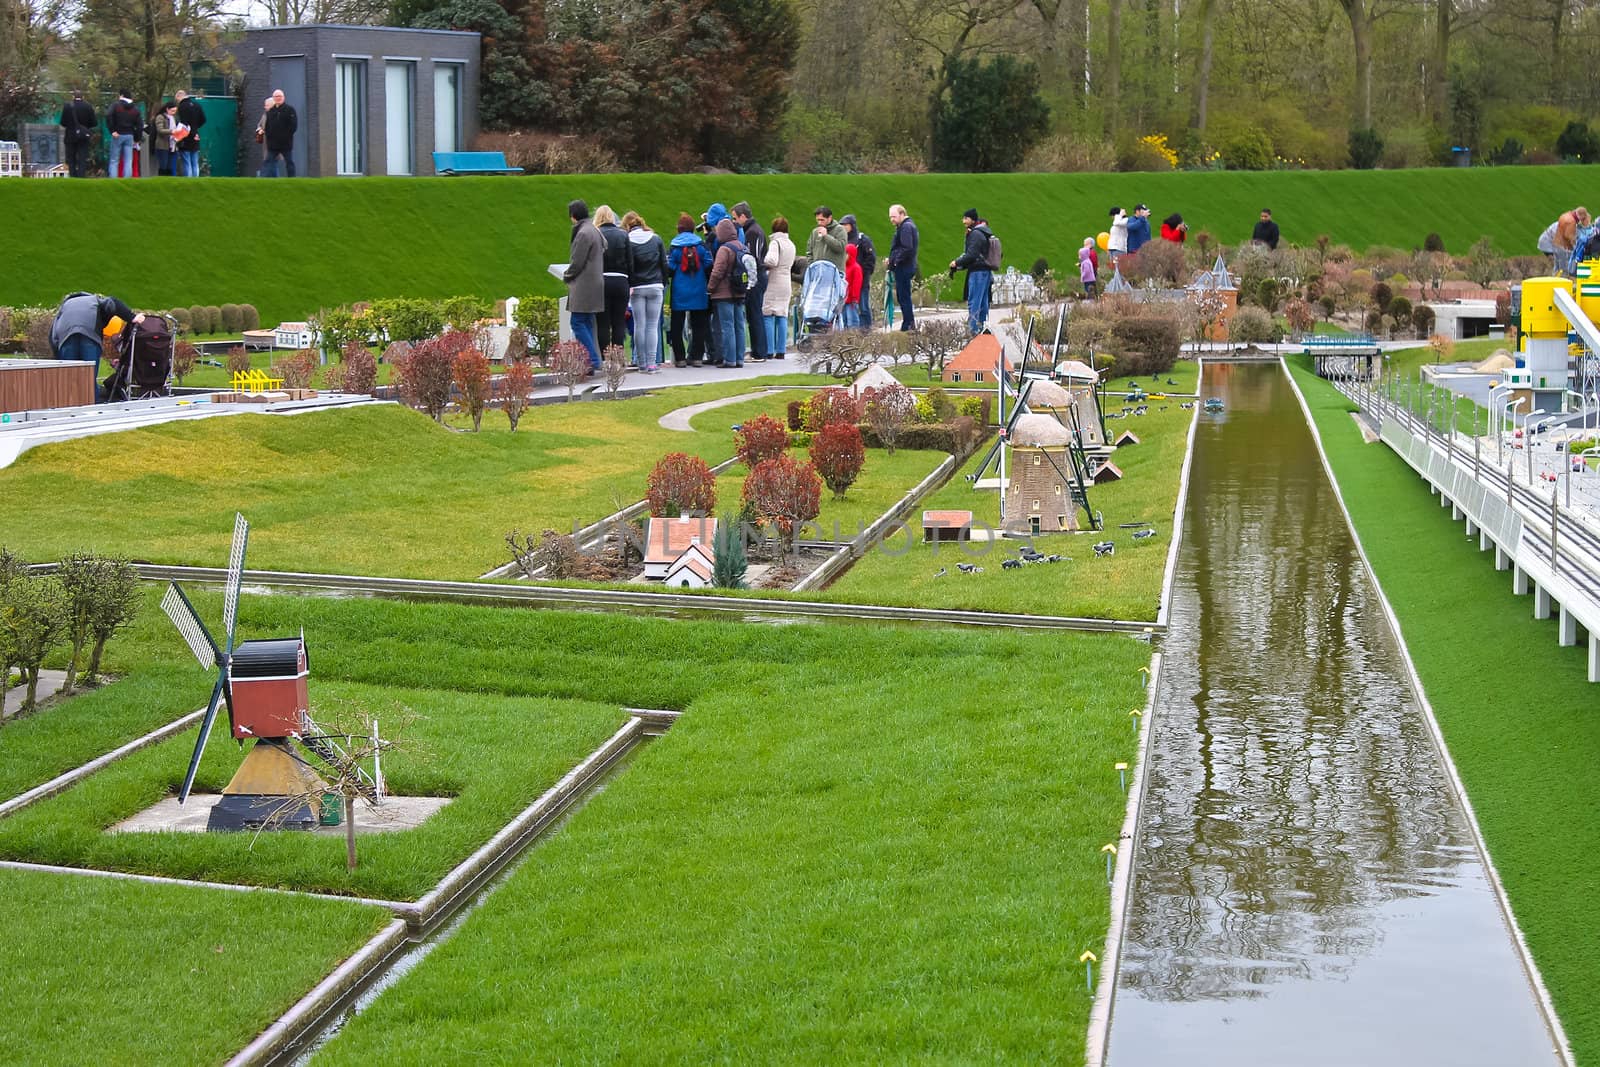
<point x="993" y="114"/>
<point x="730" y="563"/>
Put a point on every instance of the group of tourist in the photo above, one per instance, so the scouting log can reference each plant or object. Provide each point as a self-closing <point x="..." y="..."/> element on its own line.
<point x="173" y="132"/>
<point x="1572" y="238"/>
<point x="721" y="286"/>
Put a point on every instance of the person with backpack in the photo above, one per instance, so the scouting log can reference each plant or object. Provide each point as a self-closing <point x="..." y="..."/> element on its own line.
<point x="78" y="126"/>
<point x="125" y="122"/>
<point x="731" y="273"/>
<point x="975" y="258"/>
<point x="780" y="287"/>
<point x="690" y="266"/>
<point x="586" y="290"/>
<point x="647" y="272"/>
<point x="867" y="259"/>
<point x="80" y="323"/>
<point x="191" y="116"/>
<point x="755" y="242"/>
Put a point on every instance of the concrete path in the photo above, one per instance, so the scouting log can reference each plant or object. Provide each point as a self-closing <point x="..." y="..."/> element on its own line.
<point x="680" y="418"/>
<point x="49" y="682"/>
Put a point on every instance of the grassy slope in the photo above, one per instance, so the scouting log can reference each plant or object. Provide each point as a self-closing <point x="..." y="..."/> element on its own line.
<point x="1515" y="709"/>
<point x="81" y="986"/>
<point x="378" y="237"/>
<point x="863" y="845"/>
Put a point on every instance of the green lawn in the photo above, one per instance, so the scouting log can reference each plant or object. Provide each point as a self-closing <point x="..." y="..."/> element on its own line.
<point x="883" y="481"/>
<point x="208" y="377"/>
<point x="359" y="253"/>
<point x="1515" y="708"/>
<point x="99" y="971"/>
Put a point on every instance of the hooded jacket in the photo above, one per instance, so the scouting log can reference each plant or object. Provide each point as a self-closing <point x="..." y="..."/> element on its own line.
<point x="829" y="245"/>
<point x="615" y="260"/>
<point x="853" y="275"/>
<point x="975" y="255"/>
<point x="1086" y="265"/>
<point x="586" y="287"/>
<point x="125" y="118"/>
<point x="720" y="287"/>
<point x="1138" y="233"/>
<point x="688" y="288"/>
<point x="1119" y="233"/>
<point x="647" y="258"/>
<point x="779" y="262"/>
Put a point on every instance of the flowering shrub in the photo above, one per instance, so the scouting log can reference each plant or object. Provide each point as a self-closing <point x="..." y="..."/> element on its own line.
<point x="1156" y="144"/>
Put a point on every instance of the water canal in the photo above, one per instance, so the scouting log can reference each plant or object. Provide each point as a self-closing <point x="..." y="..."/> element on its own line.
<point x="1307" y="890"/>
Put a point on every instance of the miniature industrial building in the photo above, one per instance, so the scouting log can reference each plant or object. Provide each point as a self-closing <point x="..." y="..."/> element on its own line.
<point x="948" y="525"/>
<point x="1039" y="497"/>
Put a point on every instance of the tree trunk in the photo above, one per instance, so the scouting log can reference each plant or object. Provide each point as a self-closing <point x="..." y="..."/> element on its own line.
<point x="350" y="831"/>
<point x="1558" y="10"/>
<point x="32" y="699"/>
<point x="1202" y="73"/>
<point x="72" y="664"/>
<point x="1113" y="66"/>
<point x="1061" y="52"/>
<point x="93" y="672"/>
<point x="1439" y="91"/>
<point x="1361" y="38"/>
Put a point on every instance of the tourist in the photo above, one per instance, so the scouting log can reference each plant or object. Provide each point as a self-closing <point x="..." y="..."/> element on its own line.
<point x="612" y="326"/>
<point x="191" y="116"/>
<point x="647" y="273"/>
<point x="1087" y="267"/>
<point x="1562" y="236"/>
<point x="690" y="266"/>
<point x="853" y="277"/>
<point x="279" y="125"/>
<point x="828" y="240"/>
<point x="755" y="242"/>
<point x="903" y="262"/>
<point x="1117" y="247"/>
<point x="779" y="261"/>
<point x="1266" y="231"/>
<point x="727" y="299"/>
<point x="585" y="278"/>
<point x="974" y="259"/>
<point x="126" y="123"/>
<point x="162" y="143"/>
<point x="78" y="124"/>
<point x="1138" y="228"/>
<point x="1174" y="229"/>
<point x="80" y="324"/>
<point x="867" y="258"/>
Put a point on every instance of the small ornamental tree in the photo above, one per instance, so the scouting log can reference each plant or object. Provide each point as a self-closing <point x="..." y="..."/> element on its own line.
<point x="887" y="411"/>
<point x="426" y="375"/>
<point x="1298" y="314"/>
<point x="730" y="563"/>
<point x="1443" y="346"/>
<point x="838" y="455"/>
<point x="358" y="369"/>
<point x="33" y="619"/>
<point x="184" y="358"/>
<point x="113" y="604"/>
<point x="681" y="484"/>
<point x="569" y="362"/>
<point x="784" y="494"/>
<point x="518" y="384"/>
<point x="470" y="371"/>
<point x="760" y="439"/>
<point x="828" y="406"/>
<point x="614" y="366"/>
<point x="237" y="360"/>
<point x="77" y="574"/>
<point x="516" y="346"/>
<point x="297" y="369"/>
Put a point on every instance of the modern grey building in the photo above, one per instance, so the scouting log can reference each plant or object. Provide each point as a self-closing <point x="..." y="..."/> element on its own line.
<point x="370" y="99"/>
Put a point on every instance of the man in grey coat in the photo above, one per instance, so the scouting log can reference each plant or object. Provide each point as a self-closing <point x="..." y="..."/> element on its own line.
<point x="585" y="278"/>
<point x="81" y="322"/>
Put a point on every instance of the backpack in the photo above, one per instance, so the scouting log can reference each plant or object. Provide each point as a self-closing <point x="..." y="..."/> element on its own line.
<point x="992" y="260"/>
<point x="689" y="259"/>
<point x="866" y="255"/>
<point x="743" y="272"/>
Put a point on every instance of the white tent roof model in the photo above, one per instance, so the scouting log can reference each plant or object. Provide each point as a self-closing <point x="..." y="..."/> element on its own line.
<point x="1075" y="371"/>
<point x="874" y="377"/>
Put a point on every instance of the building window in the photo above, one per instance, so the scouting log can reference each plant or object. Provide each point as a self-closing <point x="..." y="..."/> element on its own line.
<point x="400" y="116"/>
<point x="447" y="107"/>
<point x="350" y="112"/>
<point x="1036" y="504"/>
<point x="1058" y="488"/>
<point x="977" y="376"/>
<point x="955" y="376"/>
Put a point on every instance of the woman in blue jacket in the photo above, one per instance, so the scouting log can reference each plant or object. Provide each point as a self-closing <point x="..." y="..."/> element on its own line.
<point x="691" y="268"/>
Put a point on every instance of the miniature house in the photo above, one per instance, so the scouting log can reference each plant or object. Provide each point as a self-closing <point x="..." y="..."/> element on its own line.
<point x="1039" y="496"/>
<point x="295" y="335"/>
<point x="977" y="362"/>
<point x="268" y="688"/>
<point x="692" y="569"/>
<point x="669" y="540"/>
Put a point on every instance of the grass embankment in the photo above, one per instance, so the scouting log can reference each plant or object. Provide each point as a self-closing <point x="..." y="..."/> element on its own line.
<point x="492" y="237"/>
<point x="1515" y="708"/>
<point x="118" y="972"/>
<point x="379" y="490"/>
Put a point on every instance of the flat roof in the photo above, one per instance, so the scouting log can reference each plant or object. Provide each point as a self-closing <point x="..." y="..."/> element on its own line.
<point x="364" y="29"/>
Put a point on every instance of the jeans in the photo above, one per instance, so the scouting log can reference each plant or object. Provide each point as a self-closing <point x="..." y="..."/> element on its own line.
<point x="866" y="302"/>
<point x="775" y="332"/>
<point x="902" y="297"/>
<point x="611" y="325"/>
<point x="84" y="350"/>
<point x="699" y="321"/>
<point x="190" y="160"/>
<point x="120" y="162"/>
<point x="730" y="331"/>
<point x="752" y="315"/>
<point x="646" y="304"/>
<point x="583" y="333"/>
<point x="852" y="315"/>
<point x="164" y="160"/>
<point x="276" y="163"/>
<point x="977" y="300"/>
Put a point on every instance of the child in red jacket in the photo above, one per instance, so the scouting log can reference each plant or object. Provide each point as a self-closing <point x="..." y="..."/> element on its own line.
<point x="852" y="288"/>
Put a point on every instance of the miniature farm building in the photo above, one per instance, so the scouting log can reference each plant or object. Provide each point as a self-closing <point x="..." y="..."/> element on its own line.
<point x="1040" y="496"/>
<point x="977" y="361"/>
<point x="667" y="541"/>
<point x="946" y="525"/>
<point x="1105" y="471"/>
<point x="692" y="569"/>
<point x="874" y="377"/>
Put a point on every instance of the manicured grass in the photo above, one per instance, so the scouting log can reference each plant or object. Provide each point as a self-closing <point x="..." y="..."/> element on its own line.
<point x="433" y="254"/>
<point x="865" y="845"/>
<point x="1515" y="708"/>
<point x="205" y="376"/>
<point x="1126" y="585"/>
<point x="99" y="971"/>
<point x="883" y="481"/>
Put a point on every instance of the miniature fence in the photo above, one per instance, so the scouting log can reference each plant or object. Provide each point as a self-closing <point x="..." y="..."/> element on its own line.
<point x="254" y="381"/>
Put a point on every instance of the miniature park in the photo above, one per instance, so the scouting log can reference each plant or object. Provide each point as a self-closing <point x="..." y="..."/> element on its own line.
<point x="927" y="695"/>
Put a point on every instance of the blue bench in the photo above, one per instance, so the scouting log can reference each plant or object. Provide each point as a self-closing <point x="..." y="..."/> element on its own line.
<point x="472" y="163"/>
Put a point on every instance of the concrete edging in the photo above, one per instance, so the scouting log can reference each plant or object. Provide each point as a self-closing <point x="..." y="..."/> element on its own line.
<point x="1563" y="1047"/>
<point x="1177" y="511"/>
<point x="69" y="778"/>
<point x="878" y="531"/>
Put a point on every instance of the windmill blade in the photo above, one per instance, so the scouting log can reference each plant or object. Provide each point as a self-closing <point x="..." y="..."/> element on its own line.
<point x="230" y="594"/>
<point x="187" y="620"/>
<point x="1055" y="349"/>
<point x="205" y="732"/>
<point x="988" y="459"/>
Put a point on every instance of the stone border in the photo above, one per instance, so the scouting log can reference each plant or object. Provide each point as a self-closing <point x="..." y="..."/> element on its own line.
<point x="1558" y="1034"/>
<point x="881" y="527"/>
<point x="1178" y="509"/>
<point x="1099" y="1036"/>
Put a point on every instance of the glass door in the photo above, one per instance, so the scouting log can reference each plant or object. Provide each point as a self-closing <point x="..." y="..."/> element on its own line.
<point x="399" y="93"/>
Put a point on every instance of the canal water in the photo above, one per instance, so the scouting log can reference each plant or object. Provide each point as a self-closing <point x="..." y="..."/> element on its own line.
<point x="1307" y="891"/>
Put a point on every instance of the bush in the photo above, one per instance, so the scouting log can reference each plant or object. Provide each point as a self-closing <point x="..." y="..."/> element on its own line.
<point x="888" y="410"/>
<point x="792" y="413"/>
<point x="338" y="327"/>
<point x="541" y="317"/>
<point x="358" y="368"/>
<point x="1249" y="148"/>
<point x="297" y="369"/>
<point x="184" y="358"/>
<point x="1298" y="314"/>
<point x="758" y="440"/>
<point x="36" y="338"/>
<point x="517" y="385"/>
<point x="238" y="360"/>
<point x="783" y="494"/>
<point x="1266" y="293"/>
<point x="462" y="312"/>
<point x="569" y="363"/>
<point x="1433" y="243"/>
<point x="957" y="437"/>
<point x="249" y="317"/>
<point x="1365" y="148"/>
<point x="1423" y="318"/>
<point x="230" y="318"/>
<point x="1252" y="326"/>
<point x="971" y="407"/>
<point x="426" y="375"/>
<point x="516" y="345"/>
<point x="681" y="484"/>
<point x="184" y="320"/>
<point x="838" y="455"/>
<point x="199" y="319"/>
<point x="1067" y="154"/>
<point x="1158" y="263"/>
<point x="1039" y="271"/>
<point x="1147" y="344"/>
<point x="1578" y="143"/>
<point x="406" y="319"/>
<point x="1382" y="295"/>
<point x="1400" y="309"/>
<point x="828" y="406"/>
<point x="1508" y="154"/>
<point x="470" y="372"/>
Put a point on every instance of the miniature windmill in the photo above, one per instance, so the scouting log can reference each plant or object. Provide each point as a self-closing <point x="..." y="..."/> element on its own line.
<point x="264" y="686"/>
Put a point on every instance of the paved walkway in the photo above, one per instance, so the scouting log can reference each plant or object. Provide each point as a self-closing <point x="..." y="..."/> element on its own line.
<point x="681" y="418"/>
<point x="49" y="682"/>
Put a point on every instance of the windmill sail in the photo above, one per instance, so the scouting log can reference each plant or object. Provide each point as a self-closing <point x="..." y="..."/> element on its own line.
<point x="230" y="593"/>
<point x="187" y="620"/>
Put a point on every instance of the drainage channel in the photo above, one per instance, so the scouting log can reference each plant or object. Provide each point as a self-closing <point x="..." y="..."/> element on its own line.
<point x="1307" y="889"/>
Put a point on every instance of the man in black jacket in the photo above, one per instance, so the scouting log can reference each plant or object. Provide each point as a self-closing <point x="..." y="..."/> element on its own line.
<point x="1266" y="231"/>
<point x="755" y="242"/>
<point x="192" y="115"/>
<point x="974" y="259"/>
<point x="903" y="262"/>
<point x="867" y="260"/>
<point x="126" y="125"/>
<point x="78" y="122"/>
<point x="278" y="132"/>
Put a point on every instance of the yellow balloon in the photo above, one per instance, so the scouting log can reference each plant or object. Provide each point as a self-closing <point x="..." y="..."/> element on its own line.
<point x="1103" y="240"/>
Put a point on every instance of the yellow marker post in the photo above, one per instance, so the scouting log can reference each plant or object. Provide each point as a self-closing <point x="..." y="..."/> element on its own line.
<point x="1145" y="681"/>
<point x="1122" y="775"/>
<point x="1134" y="716"/>
<point x="1111" y="854"/>
<point x="1088" y="959"/>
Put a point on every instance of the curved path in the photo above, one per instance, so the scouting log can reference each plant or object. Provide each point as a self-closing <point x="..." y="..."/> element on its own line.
<point x="680" y="418"/>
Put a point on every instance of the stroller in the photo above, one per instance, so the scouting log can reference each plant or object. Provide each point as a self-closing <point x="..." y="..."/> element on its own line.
<point x="821" y="300"/>
<point x="144" y="361"/>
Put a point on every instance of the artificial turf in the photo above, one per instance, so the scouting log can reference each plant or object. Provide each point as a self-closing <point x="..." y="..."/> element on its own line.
<point x="492" y="237"/>
<point x="1515" y="708"/>
<point x="101" y="971"/>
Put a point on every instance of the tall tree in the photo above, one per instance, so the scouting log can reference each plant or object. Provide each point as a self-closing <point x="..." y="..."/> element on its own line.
<point x="1063" y="51"/>
<point x="29" y="29"/>
<point x="144" y="47"/>
<point x="1112" y="84"/>
<point x="1363" y="16"/>
<point x="1206" y="16"/>
<point x="951" y="31"/>
<point x="992" y="117"/>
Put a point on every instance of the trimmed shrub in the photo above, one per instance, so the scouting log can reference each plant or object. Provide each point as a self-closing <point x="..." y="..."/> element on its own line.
<point x="758" y="440"/>
<point x="518" y="384"/>
<point x="406" y="319"/>
<point x="1433" y="242"/>
<point x="470" y="372"/>
<point x="1251" y="326"/>
<point x="1400" y="309"/>
<point x="36" y="338"/>
<point x="462" y="312"/>
<point x="1366" y="148"/>
<point x="249" y="317"/>
<point x="1382" y="295"/>
<point x="838" y="455"/>
<point x="828" y="406"/>
<point x="199" y="319"/>
<point x="783" y="494"/>
<point x="184" y="320"/>
<point x="681" y="484"/>
<point x="230" y="318"/>
<point x="1145" y="344"/>
<point x="358" y="368"/>
<point x="1422" y="319"/>
<point x="957" y="437"/>
<point x="792" y="412"/>
<point x="426" y="375"/>
<point x="296" y="369"/>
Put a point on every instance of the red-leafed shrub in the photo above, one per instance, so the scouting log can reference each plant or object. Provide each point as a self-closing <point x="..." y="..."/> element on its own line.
<point x="518" y="384"/>
<point x="569" y="362"/>
<point x="888" y="410"/>
<point x="681" y="484"/>
<point x="470" y="371"/>
<point x="296" y="369"/>
<point x="184" y="358"/>
<point x="425" y="375"/>
<point x="838" y="455"/>
<point x="358" y="368"/>
<point x="828" y="406"/>
<point x="760" y="439"/>
<point x="238" y="360"/>
<point x="783" y="493"/>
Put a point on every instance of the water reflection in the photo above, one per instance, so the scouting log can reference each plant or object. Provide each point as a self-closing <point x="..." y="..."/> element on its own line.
<point x="1299" y="832"/>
